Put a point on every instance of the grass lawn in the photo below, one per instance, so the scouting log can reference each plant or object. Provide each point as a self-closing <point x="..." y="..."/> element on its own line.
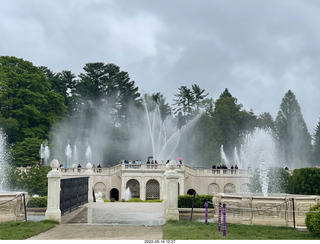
<point x="185" y="230"/>
<point x="23" y="230"/>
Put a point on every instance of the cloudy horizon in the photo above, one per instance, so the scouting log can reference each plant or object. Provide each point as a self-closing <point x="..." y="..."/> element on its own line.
<point x="257" y="49"/>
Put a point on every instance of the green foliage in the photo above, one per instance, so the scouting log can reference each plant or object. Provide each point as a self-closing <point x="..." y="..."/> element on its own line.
<point x="28" y="105"/>
<point x="134" y="200"/>
<point x="316" y="146"/>
<point x="313" y="219"/>
<point x="185" y="201"/>
<point x="33" y="180"/>
<point x="37" y="202"/>
<point x="27" y="151"/>
<point x="24" y="230"/>
<point x="232" y="121"/>
<point x="292" y="132"/>
<point x="305" y="181"/>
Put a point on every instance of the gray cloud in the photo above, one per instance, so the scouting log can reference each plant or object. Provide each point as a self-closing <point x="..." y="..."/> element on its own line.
<point x="257" y="49"/>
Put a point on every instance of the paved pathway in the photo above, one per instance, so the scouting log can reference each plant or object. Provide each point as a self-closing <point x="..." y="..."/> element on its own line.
<point x="110" y="221"/>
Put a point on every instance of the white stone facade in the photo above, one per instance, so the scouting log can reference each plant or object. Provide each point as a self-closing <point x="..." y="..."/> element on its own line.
<point x="145" y="180"/>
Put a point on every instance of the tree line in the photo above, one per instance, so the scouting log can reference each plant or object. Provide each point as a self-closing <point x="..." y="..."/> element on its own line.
<point x="36" y="100"/>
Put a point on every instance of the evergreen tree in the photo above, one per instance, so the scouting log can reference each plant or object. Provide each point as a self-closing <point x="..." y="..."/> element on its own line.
<point x="160" y="100"/>
<point x="316" y="145"/>
<point x="227" y="115"/>
<point x="294" y="138"/>
<point x="198" y="95"/>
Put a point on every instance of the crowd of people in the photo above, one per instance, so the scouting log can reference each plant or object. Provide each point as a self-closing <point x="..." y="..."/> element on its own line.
<point x="223" y="166"/>
<point x="148" y="162"/>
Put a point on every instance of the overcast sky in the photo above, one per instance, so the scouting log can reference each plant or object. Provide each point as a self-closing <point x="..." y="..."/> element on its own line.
<point x="257" y="49"/>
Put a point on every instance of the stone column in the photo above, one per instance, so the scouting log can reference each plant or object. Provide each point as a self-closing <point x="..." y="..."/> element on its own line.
<point x="247" y="214"/>
<point x="89" y="173"/>
<point x="143" y="188"/>
<point x="171" y="191"/>
<point x="53" y="203"/>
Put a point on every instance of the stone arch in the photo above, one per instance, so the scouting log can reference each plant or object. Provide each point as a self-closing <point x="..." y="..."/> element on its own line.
<point x="229" y="188"/>
<point x="114" y="193"/>
<point x="152" y="190"/>
<point x="213" y="188"/>
<point x="100" y="187"/>
<point x="244" y="188"/>
<point x="191" y="191"/>
<point x="134" y="186"/>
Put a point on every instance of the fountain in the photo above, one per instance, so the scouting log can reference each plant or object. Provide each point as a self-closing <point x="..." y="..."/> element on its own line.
<point x="88" y="154"/>
<point x="224" y="159"/>
<point x="236" y="158"/>
<point x="11" y="203"/>
<point x="259" y="152"/>
<point x="164" y="135"/>
<point x="162" y="146"/>
<point x="44" y="153"/>
<point x="68" y="152"/>
<point x="127" y="194"/>
<point x="75" y="154"/>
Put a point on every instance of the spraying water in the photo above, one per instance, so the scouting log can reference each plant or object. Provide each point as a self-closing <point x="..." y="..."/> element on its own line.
<point x="236" y="158"/>
<point x="3" y="159"/>
<point x="75" y="154"/>
<point x="259" y="152"/>
<point x="224" y="159"/>
<point x="88" y="154"/>
<point x="127" y="194"/>
<point x="68" y="152"/>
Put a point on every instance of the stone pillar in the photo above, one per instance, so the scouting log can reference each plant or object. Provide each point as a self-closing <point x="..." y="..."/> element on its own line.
<point x="247" y="214"/>
<point x="89" y="173"/>
<point x="171" y="191"/>
<point x="53" y="203"/>
<point x="143" y="188"/>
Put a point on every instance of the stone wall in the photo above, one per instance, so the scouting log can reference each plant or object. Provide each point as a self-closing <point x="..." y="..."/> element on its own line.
<point x="275" y="209"/>
<point x="12" y="206"/>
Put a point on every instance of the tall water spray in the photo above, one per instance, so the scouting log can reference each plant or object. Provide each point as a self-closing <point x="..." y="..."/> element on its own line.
<point x="88" y="154"/>
<point x="127" y="194"/>
<point x="259" y="152"/>
<point x="224" y="159"/>
<point x="75" y="154"/>
<point x="164" y="135"/>
<point x="68" y="152"/>
<point x="3" y="159"/>
<point x="163" y="146"/>
<point x="236" y="158"/>
<point x="44" y="153"/>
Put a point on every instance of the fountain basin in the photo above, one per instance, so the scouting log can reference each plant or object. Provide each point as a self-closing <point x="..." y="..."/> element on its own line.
<point x="12" y="206"/>
<point x="275" y="209"/>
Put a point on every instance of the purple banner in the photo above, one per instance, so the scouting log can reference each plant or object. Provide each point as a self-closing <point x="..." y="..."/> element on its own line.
<point x="206" y="220"/>
<point x="224" y="220"/>
<point x="219" y="221"/>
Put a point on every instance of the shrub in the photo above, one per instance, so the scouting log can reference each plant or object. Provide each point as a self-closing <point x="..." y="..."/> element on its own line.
<point x="185" y="201"/>
<point x="134" y="200"/>
<point x="37" y="202"/>
<point x="313" y="219"/>
<point x="305" y="181"/>
<point x="154" y="200"/>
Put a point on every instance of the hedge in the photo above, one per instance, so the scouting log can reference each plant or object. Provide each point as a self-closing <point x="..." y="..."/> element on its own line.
<point x="185" y="201"/>
<point x="313" y="219"/>
<point x="37" y="202"/>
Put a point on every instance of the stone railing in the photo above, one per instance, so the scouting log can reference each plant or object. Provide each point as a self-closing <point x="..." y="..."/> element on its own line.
<point x="276" y="209"/>
<point x="158" y="168"/>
